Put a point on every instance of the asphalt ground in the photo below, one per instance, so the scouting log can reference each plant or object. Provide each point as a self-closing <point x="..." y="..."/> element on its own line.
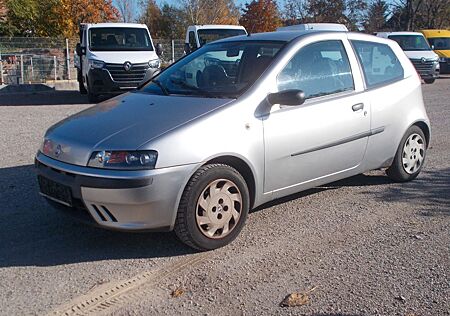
<point x="360" y="246"/>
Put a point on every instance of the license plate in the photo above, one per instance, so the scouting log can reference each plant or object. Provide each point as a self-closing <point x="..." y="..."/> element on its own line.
<point x="55" y="191"/>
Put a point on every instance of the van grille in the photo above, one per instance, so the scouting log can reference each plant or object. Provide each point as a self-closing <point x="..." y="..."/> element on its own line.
<point x="423" y="67"/>
<point x="131" y="78"/>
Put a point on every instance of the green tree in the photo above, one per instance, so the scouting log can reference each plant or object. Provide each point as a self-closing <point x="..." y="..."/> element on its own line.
<point x="261" y="16"/>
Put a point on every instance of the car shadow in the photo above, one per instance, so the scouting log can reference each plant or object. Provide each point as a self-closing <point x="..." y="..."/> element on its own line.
<point x="50" y="97"/>
<point x="34" y="234"/>
<point x="429" y="194"/>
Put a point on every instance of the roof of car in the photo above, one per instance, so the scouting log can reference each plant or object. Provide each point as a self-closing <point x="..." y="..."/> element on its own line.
<point x="398" y="33"/>
<point x="285" y="36"/>
<point x="133" y="25"/>
<point x="217" y="26"/>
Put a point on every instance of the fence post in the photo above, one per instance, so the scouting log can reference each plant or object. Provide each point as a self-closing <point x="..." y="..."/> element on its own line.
<point x="1" y="69"/>
<point x="21" y="69"/>
<point x="173" y="51"/>
<point x="32" y="69"/>
<point x="54" y="63"/>
<point x="68" y="59"/>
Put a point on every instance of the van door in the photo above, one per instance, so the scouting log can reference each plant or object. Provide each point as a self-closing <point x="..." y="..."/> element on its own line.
<point x="327" y="135"/>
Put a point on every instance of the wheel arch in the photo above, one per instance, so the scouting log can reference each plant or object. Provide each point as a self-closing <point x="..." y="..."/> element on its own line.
<point x="425" y="129"/>
<point x="243" y="168"/>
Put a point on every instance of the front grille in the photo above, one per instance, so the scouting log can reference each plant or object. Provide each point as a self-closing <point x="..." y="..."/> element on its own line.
<point x="131" y="78"/>
<point x="423" y="67"/>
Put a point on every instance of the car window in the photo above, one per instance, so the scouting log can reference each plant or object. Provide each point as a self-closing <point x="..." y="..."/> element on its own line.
<point x="192" y="41"/>
<point x="217" y="70"/>
<point x="379" y="63"/>
<point x="318" y="69"/>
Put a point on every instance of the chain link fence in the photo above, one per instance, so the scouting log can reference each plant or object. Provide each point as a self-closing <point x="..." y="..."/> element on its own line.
<point x="38" y="60"/>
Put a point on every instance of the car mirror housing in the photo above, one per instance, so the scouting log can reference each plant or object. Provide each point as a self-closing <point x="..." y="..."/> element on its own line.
<point x="159" y="49"/>
<point x="287" y="97"/>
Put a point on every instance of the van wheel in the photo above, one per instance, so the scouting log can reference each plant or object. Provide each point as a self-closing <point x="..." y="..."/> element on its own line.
<point x="410" y="156"/>
<point x="429" y="81"/>
<point x="81" y="88"/>
<point x="213" y="208"/>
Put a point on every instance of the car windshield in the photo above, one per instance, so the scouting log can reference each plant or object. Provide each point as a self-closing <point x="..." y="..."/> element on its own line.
<point x="440" y="43"/>
<point x="217" y="70"/>
<point x="411" y="42"/>
<point x="210" y="35"/>
<point x="119" y="39"/>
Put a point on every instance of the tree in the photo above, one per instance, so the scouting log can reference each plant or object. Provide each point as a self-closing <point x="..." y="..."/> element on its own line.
<point x="210" y="11"/>
<point x="376" y="17"/>
<point x="151" y="16"/>
<point x="324" y="11"/>
<point x="74" y="12"/>
<point x="126" y="9"/>
<point x="294" y="12"/>
<point x="261" y="16"/>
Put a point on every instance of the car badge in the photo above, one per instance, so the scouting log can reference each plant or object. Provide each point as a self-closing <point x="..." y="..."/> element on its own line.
<point x="127" y="66"/>
<point x="423" y="60"/>
<point x="58" y="150"/>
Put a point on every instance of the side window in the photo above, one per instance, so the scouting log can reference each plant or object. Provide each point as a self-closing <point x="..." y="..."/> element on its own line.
<point x="192" y="41"/>
<point x="318" y="69"/>
<point x="379" y="63"/>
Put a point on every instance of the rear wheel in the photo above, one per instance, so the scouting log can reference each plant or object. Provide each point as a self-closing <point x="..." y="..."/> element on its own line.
<point x="429" y="81"/>
<point x="213" y="208"/>
<point x="410" y="156"/>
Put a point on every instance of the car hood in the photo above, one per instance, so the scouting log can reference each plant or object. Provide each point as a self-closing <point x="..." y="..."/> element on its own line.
<point x="443" y="53"/>
<point x="122" y="56"/>
<point x="125" y="122"/>
<point x="427" y="54"/>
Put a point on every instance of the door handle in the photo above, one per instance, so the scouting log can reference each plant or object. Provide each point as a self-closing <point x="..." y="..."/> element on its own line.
<point x="358" y="107"/>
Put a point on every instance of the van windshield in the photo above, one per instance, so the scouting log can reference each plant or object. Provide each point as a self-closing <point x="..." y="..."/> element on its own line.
<point x="217" y="70"/>
<point x="411" y="42"/>
<point x="440" y="43"/>
<point x="119" y="39"/>
<point x="210" y="35"/>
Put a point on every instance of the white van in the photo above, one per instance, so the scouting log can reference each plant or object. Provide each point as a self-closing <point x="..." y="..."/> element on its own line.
<point x="115" y="58"/>
<point x="315" y="26"/>
<point x="418" y="51"/>
<point x="199" y="35"/>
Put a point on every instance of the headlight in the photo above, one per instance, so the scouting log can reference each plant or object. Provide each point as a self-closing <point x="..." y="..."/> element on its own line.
<point x="443" y="59"/>
<point x="154" y="63"/>
<point x="96" y="64"/>
<point x="129" y="160"/>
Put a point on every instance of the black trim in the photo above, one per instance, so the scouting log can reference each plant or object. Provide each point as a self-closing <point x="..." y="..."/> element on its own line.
<point x="342" y="141"/>
<point x="75" y="181"/>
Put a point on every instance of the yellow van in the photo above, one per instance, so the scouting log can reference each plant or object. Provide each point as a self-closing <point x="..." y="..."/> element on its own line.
<point x="440" y="42"/>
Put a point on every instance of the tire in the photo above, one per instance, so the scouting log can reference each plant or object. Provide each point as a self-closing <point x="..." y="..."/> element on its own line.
<point x="410" y="156"/>
<point x="429" y="81"/>
<point x="208" y="220"/>
<point x="81" y="87"/>
<point x="92" y="97"/>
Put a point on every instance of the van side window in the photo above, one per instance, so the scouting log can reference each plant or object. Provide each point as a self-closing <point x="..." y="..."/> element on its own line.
<point x="192" y="41"/>
<point x="379" y="63"/>
<point x="318" y="69"/>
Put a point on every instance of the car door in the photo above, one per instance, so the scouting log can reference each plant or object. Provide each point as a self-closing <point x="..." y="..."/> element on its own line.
<point x="326" y="137"/>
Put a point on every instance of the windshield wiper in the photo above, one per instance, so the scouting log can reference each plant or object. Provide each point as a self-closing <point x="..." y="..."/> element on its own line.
<point x="161" y="86"/>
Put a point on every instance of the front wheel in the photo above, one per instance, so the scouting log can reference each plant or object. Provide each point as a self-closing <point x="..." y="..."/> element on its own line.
<point x="213" y="208"/>
<point x="429" y="81"/>
<point x="410" y="156"/>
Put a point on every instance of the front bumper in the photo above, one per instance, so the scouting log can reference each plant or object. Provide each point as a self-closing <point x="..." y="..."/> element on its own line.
<point x="144" y="200"/>
<point x="101" y="81"/>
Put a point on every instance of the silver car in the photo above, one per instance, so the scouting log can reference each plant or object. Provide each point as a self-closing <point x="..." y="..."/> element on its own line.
<point x="235" y="124"/>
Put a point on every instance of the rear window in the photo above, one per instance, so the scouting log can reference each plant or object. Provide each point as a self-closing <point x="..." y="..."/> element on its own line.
<point x="379" y="63"/>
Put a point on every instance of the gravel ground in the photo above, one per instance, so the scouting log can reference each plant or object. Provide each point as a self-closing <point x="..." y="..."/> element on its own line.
<point x="364" y="246"/>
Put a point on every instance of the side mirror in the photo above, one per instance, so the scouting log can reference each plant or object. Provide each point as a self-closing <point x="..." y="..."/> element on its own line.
<point x="287" y="97"/>
<point x="187" y="48"/>
<point x="80" y="50"/>
<point x="432" y="47"/>
<point x="159" y="49"/>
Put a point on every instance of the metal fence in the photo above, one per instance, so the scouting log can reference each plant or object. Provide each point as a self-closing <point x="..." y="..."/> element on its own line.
<point x="36" y="60"/>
